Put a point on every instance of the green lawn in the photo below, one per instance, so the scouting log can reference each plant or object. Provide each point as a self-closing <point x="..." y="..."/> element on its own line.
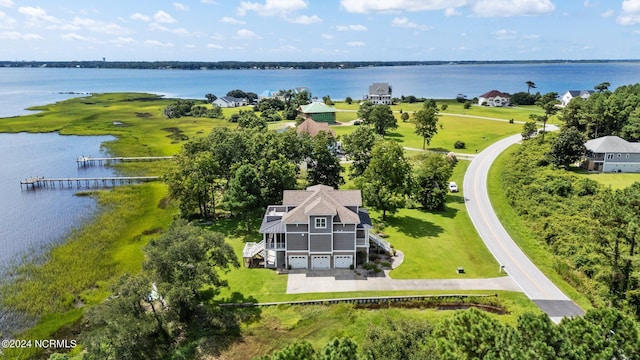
<point x="614" y="180"/>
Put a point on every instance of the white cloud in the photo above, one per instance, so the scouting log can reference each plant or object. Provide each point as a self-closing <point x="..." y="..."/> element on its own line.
<point x="368" y="6"/>
<point x="74" y="36"/>
<point x="122" y="41"/>
<point x="7" y="3"/>
<point x="138" y="16"/>
<point x="217" y="36"/>
<point x="505" y="34"/>
<point x="6" y="22"/>
<point x="505" y="8"/>
<point x="306" y="20"/>
<point x="327" y="36"/>
<point x="630" y="13"/>
<point x="351" y="28"/>
<point x="209" y="1"/>
<point x="37" y="14"/>
<point x="404" y="22"/>
<point x="163" y="17"/>
<point x="356" y="43"/>
<point x="607" y="13"/>
<point x="156" y="43"/>
<point x="272" y="7"/>
<point x="230" y="20"/>
<point x="451" y="12"/>
<point x="246" y="34"/>
<point x="214" y="46"/>
<point x="14" y="35"/>
<point x="98" y="26"/>
<point x="180" y="6"/>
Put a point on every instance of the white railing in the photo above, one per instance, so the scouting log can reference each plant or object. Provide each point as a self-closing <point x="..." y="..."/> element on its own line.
<point x="251" y="249"/>
<point x="381" y="242"/>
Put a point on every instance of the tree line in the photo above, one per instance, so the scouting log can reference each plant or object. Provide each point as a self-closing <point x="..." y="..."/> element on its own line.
<point x="473" y="334"/>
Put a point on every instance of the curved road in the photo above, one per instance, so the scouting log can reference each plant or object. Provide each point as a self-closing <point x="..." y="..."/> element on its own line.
<point x="532" y="281"/>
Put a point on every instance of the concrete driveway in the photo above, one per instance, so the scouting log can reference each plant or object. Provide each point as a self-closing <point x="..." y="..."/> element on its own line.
<point x="324" y="281"/>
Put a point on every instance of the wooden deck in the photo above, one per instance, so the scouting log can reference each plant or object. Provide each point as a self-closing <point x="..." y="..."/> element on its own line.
<point x="92" y="161"/>
<point x="40" y="181"/>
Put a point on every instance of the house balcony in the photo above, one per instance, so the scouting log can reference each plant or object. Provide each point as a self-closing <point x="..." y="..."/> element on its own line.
<point x="362" y="242"/>
<point x="275" y="246"/>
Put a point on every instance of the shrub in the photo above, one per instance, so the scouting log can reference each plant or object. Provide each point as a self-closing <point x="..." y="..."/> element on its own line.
<point x="467" y="104"/>
<point x="459" y="145"/>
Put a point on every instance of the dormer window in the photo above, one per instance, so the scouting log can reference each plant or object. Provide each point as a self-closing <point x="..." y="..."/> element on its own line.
<point x="321" y="223"/>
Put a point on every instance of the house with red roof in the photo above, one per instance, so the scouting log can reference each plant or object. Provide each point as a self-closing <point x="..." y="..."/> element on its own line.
<point x="494" y="98"/>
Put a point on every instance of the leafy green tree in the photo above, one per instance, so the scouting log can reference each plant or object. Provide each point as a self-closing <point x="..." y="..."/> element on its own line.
<point x="604" y="86"/>
<point x="548" y="103"/>
<point x="404" y="116"/>
<point x="323" y="166"/>
<point x="300" y="350"/>
<point x="631" y="129"/>
<point x="327" y="100"/>
<point x="364" y="111"/>
<point x="348" y="100"/>
<point x="387" y="180"/>
<point x="382" y="119"/>
<point x="271" y="103"/>
<point x="249" y="120"/>
<point x="523" y="98"/>
<point x="245" y="193"/>
<point x="129" y="325"/>
<point x="357" y="146"/>
<point x="431" y="174"/>
<point x="426" y="121"/>
<point x="530" y="85"/>
<point x="275" y="177"/>
<point x="339" y="349"/>
<point x="184" y="260"/>
<point x="471" y="334"/>
<point x="237" y="93"/>
<point x="270" y="115"/>
<point x="192" y="181"/>
<point x="568" y="147"/>
<point x="210" y="97"/>
<point x="540" y="338"/>
<point x="399" y="340"/>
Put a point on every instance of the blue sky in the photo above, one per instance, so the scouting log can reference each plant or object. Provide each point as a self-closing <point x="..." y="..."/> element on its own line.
<point x="319" y="30"/>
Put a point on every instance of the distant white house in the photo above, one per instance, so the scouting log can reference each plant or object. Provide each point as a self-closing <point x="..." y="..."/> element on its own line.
<point x="229" y="102"/>
<point x="379" y="93"/>
<point x="494" y="98"/>
<point x="566" y="97"/>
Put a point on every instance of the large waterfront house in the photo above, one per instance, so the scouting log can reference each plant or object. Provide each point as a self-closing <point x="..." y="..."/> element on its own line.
<point x="566" y="97"/>
<point x="229" y="102"/>
<point x="379" y="94"/>
<point x="318" y="112"/>
<point x="316" y="228"/>
<point x="494" y="98"/>
<point x="612" y="154"/>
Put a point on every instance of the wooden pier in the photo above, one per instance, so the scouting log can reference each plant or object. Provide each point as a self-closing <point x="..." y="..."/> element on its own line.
<point x="40" y="181"/>
<point x="92" y="161"/>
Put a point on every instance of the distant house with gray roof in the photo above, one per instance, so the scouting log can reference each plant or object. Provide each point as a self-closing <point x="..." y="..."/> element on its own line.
<point x="229" y="102"/>
<point x="566" y="97"/>
<point x="316" y="228"/>
<point x="379" y="94"/>
<point x="612" y="154"/>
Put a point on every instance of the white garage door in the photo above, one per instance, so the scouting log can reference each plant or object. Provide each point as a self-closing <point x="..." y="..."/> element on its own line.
<point x="321" y="262"/>
<point x="298" y="262"/>
<point x="342" y="261"/>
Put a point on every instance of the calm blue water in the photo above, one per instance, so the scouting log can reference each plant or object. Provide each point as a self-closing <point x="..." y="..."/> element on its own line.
<point x="32" y="219"/>
<point x="22" y="87"/>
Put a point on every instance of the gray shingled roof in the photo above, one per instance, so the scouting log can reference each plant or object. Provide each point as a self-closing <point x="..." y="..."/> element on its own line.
<point x="321" y="200"/>
<point x="611" y="144"/>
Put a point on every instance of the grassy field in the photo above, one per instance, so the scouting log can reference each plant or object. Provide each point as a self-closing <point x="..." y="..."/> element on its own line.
<point x="614" y="180"/>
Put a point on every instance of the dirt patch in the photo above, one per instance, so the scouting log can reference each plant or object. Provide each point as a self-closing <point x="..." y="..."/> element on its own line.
<point x="176" y="134"/>
<point x="143" y="115"/>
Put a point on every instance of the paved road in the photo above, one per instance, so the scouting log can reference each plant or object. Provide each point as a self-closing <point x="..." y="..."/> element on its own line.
<point x="532" y="281"/>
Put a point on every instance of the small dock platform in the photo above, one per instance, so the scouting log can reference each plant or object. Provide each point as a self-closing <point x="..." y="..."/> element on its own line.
<point x="83" y="161"/>
<point x="40" y="181"/>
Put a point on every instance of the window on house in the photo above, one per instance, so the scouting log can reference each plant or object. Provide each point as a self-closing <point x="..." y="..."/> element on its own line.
<point x="619" y="155"/>
<point x="627" y="156"/>
<point x="609" y="156"/>
<point x="321" y="223"/>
